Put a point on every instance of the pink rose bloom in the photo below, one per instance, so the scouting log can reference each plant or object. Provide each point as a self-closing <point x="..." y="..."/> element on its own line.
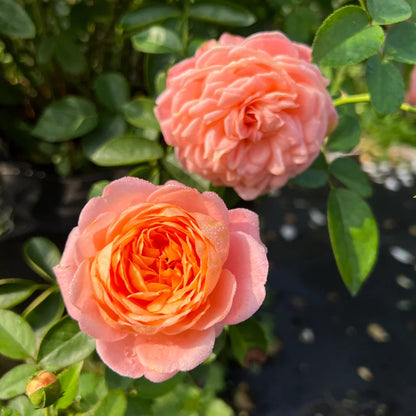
<point x="247" y="113"/>
<point x="411" y="92"/>
<point x="153" y="273"/>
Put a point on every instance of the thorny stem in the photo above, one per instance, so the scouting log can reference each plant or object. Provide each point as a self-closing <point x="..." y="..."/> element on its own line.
<point x="365" y="98"/>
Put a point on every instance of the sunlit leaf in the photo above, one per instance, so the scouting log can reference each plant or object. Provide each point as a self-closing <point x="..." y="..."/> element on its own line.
<point x="354" y="236"/>
<point x="346" y="37"/>
<point x="17" y="339"/>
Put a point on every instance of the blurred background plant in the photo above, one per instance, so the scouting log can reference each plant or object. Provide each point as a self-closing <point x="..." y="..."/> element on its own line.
<point x="78" y="83"/>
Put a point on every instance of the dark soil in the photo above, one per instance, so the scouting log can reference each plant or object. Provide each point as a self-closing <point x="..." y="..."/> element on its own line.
<point x="328" y="364"/>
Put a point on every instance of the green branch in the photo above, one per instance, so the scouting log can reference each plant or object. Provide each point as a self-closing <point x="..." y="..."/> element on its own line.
<point x="365" y="98"/>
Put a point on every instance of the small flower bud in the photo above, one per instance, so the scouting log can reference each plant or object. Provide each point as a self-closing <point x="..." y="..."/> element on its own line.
<point x="44" y="389"/>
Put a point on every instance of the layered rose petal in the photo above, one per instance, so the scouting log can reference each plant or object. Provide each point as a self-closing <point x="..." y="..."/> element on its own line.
<point x="247" y="113"/>
<point x="157" y="272"/>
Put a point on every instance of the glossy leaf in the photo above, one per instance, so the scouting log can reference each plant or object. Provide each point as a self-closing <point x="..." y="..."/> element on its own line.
<point x="64" y="344"/>
<point x="66" y="119"/>
<point x="128" y="149"/>
<point x="149" y="390"/>
<point x="385" y="85"/>
<point x="108" y="128"/>
<point x="346" y="37"/>
<point x="44" y="312"/>
<point x="92" y="389"/>
<point x="148" y="15"/>
<point x="14" y="21"/>
<point x="157" y="39"/>
<point x="139" y="113"/>
<point x="354" y="237"/>
<point x="112" y="90"/>
<point x="222" y="13"/>
<point x="41" y="255"/>
<point x="350" y="174"/>
<point x="347" y="134"/>
<point x="400" y="43"/>
<point x="17" y="339"/>
<point x="22" y="405"/>
<point x="97" y="188"/>
<point x="69" y="385"/>
<point x="386" y="12"/>
<point x="114" y="404"/>
<point x="246" y="336"/>
<point x="14" y="381"/>
<point x="173" y="167"/>
<point x="15" y="291"/>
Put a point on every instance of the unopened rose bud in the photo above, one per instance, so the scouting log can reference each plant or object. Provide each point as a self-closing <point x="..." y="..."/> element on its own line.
<point x="44" y="389"/>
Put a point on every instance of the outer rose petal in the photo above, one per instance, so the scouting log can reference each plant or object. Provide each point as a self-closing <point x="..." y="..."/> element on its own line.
<point x="65" y="271"/>
<point x="116" y="197"/>
<point x="250" y="271"/>
<point x="170" y="354"/>
<point x="246" y="221"/>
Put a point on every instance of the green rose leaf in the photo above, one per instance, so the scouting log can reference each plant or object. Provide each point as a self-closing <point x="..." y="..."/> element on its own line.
<point x="385" y="84"/>
<point x="17" y="339"/>
<point x="108" y="128"/>
<point x="112" y="90"/>
<point x="173" y="167"/>
<point x="69" y="385"/>
<point x="148" y="15"/>
<point x="66" y="119"/>
<point x="5" y="411"/>
<point x="127" y="149"/>
<point x="22" y="405"/>
<point x="247" y="336"/>
<point x="157" y="39"/>
<point x="41" y="255"/>
<point x="350" y="174"/>
<point x="354" y="237"/>
<point x="44" y="312"/>
<point x="346" y="37"/>
<point x="400" y="43"/>
<point x="315" y="176"/>
<point x="348" y="132"/>
<point x="115" y="380"/>
<point x="385" y="12"/>
<point x="64" y="344"/>
<point x="15" y="291"/>
<point x="114" y="404"/>
<point x="14" y="381"/>
<point x="139" y="113"/>
<point x="222" y="13"/>
<point x="92" y="389"/>
<point x="148" y="390"/>
<point x="14" y="21"/>
<point x="217" y="407"/>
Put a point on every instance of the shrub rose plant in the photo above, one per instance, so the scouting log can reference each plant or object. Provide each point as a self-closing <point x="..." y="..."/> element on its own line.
<point x="247" y="113"/>
<point x="153" y="273"/>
